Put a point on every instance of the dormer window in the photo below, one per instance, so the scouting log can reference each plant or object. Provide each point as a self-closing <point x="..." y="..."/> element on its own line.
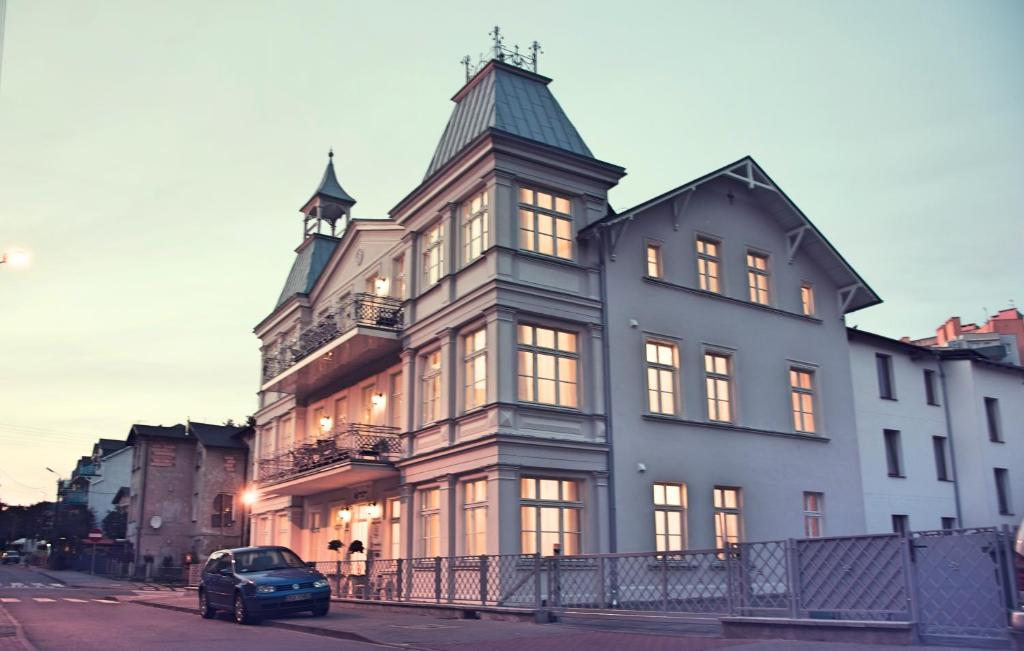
<point x="545" y="223"/>
<point x="433" y="253"/>
<point x="474" y="227"/>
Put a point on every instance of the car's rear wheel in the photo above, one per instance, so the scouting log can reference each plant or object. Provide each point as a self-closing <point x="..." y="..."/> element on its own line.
<point x="242" y="615"/>
<point x="320" y="611"/>
<point x="205" y="609"/>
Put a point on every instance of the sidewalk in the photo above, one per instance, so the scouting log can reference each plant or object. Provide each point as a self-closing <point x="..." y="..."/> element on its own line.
<point x="437" y="633"/>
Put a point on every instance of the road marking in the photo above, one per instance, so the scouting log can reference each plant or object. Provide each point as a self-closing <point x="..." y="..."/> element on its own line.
<point x="9" y="600"/>
<point x="43" y="600"/>
<point x="76" y="601"/>
<point x="57" y="585"/>
<point x="106" y="601"/>
<point x="17" y="584"/>
<point x="40" y="585"/>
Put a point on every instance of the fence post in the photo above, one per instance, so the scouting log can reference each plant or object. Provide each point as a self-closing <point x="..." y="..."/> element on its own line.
<point x="731" y="581"/>
<point x="450" y="578"/>
<point x="793" y="577"/>
<point x="483" y="579"/>
<point x="600" y="582"/>
<point x="337" y="577"/>
<point x="398" y="578"/>
<point x="555" y="582"/>
<point x="664" y="582"/>
<point x="437" y="579"/>
<point x="536" y="581"/>
<point x="906" y="542"/>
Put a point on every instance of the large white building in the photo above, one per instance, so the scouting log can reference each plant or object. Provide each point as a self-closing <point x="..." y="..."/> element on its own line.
<point x="941" y="435"/>
<point x="504" y="364"/>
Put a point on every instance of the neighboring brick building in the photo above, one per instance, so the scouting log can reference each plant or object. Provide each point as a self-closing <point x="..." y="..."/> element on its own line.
<point x="1000" y="338"/>
<point x="185" y="491"/>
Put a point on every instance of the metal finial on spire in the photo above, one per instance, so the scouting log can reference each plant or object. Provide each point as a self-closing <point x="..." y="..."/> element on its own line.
<point x="499" y="47"/>
<point x="330" y="153"/>
<point x="503" y="54"/>
<point x="467" y="64"/>
<point x="535" y="49"/>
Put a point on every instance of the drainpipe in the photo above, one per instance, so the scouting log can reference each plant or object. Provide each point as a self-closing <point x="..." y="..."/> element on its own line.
<point x="952" y="448"/>
<point x="142" y="503"/>
<point x="613" y="538"/>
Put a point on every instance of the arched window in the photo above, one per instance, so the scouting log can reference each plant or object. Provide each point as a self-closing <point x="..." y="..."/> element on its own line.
<point x="223" y="510"/>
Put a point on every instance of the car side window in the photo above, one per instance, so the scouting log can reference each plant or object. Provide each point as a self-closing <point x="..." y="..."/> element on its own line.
<point x="211" y="565"/>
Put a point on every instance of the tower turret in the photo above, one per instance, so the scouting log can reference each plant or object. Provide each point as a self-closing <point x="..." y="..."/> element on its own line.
<point x="330" y="207"/>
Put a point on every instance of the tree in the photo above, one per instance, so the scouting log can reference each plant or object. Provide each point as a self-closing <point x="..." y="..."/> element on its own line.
<point x="115" y="524"/>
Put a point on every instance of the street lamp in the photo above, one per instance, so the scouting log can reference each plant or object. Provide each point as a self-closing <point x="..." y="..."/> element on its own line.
<point x="249" y="497"/>
<point x="16" y="258"/>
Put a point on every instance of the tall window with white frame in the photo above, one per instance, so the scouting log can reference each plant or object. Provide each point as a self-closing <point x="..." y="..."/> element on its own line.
<point x="654" y="261"/>
<point x="545" y="223"/>
<point x="550" y="515"/>
<point x="548" y="361"/>
<point x="757" y="277"/>
<point x="395" y="526"/>
<point x="814" y="514"/>
<point x="474" y="517"/>
<point x="662" y="361"/>
<point x="718" y="384"/>
<point x="475" y="368"/>
<point x="801" y="383"/>
<point x="430" y="522"/>
<point x="708" y="264"/>
<point x="807" y="299"/>
<point x="398" y="286"/>
<point x="669" y="517"/>
<point x="431" y="386"/>
<point x="395" y="404"/>
<point x="474" y="227"/>
<point x="432" y="244"/>
<point x="728" y="516"/>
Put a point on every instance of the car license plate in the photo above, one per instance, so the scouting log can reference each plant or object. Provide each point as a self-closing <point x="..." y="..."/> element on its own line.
<point x="298" y="597"/>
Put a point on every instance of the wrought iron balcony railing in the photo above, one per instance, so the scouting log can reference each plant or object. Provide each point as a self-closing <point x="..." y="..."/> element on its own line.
<point x="368" y="310"/>
<point x="349" y="442"/>
<point x="74" y="497"/>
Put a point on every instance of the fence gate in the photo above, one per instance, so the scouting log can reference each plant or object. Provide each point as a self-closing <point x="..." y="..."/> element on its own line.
<point x="963" y="585"/>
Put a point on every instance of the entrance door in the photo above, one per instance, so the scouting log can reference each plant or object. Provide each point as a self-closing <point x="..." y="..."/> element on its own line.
<point x="360" y="531"/>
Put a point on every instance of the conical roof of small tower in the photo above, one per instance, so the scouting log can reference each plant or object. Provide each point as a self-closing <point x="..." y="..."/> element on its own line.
<point x="505" y="98"/>
<point x="329" y="186"/>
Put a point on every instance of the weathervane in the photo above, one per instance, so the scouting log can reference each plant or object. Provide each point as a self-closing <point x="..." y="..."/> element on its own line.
<point x="503" y="54"/>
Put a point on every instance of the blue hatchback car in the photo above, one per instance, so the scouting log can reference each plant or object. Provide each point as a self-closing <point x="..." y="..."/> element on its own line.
<point x="257" y="582"/>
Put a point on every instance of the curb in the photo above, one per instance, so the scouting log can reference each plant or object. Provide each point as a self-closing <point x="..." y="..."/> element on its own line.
<point x="300" y="628"/>
<point x="10" y="628"/>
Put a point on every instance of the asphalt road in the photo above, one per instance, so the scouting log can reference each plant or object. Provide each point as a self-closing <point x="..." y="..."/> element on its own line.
<point x="102" y="617"/>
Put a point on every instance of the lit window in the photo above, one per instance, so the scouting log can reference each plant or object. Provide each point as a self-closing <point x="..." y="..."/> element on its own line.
<point x="807" y="299"/>
<point x="223" y="511"/>
<point x="475" y="368"/>
<point x="395" y="404"/>
<point x="474" y="227"/>
<point x="548" y="361"/>
<point x="475" y="517"/>
<point x="814" y="515"/>
<point x="431" y="387"/>
<point x="395" y="526"/>
<point x="550" y="515"/>
<point x="430" y="522"/>
<point x="728" y="516"/>
<point x="662" y="363"/>
<point x="707" y="265"/>
<point x="669" y="517"/>
<point x="718" y="384"/>
<point x="801" y="382"/>
<point x="398" y="273"/>
<point x="757" y="277"/>
<point x="654" y="261"/>
<point x="433" y="254"/>
<point x="545" y="223"/>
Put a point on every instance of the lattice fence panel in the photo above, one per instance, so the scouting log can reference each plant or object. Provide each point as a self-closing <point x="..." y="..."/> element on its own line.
<point x="859" y="577"/>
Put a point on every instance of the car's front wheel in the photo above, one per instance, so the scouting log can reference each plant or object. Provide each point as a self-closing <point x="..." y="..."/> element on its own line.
<point x="205" y="609"/>
<point x="320" y="611"/>
<point x="242" y="615"/>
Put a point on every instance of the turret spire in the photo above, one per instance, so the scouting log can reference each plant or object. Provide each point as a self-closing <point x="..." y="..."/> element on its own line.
<point x="329" y="206"/>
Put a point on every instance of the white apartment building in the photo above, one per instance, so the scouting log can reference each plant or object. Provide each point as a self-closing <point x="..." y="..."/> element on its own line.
<point x="506" y="365"/>
<point x="941" y="435"/>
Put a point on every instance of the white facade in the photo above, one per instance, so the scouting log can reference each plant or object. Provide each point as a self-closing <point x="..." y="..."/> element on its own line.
<point x="925" y="447"/>
<point x="114" y="472"/>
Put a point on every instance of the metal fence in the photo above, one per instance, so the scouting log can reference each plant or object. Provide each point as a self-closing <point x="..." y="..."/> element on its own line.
<point x="957" y="586"/>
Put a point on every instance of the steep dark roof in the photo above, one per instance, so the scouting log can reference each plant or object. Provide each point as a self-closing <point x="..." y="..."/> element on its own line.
<point x="217" y="436"/>
<point x="508" y="99"/>
<point x="312" y="256"/>
<point x="121" y="492"/>
<point x="172" y="432"/>
<point x="106" y="446"/>
<point x="329" y="186"/>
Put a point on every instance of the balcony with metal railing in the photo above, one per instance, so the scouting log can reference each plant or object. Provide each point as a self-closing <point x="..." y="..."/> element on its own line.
<point x="362" y="329"/>
<point x="352" y="453"/>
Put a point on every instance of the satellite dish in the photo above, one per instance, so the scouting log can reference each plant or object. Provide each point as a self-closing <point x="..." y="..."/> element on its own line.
<point x="155" y="521"/>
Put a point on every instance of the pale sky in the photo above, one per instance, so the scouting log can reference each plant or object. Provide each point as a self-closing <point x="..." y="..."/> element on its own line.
<point x="153" y="157"/>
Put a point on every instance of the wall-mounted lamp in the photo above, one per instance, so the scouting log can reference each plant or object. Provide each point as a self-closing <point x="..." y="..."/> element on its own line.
<point x="377" y="399"/>
<point x="373" y="511"/>
<point x="345" y="515"/>
<point x="250" y="496"/>
<point x="380" y="286"/>
<point x="325" y="424"/>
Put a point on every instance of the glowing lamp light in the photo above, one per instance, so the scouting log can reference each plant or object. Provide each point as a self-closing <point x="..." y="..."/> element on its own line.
<point x="378" y="400"/>
<point x="325" y="424"/>
<point x="345" y="514"/>
<point x="373" y="511"/>
<point x="15" y="258"/>
<point x="250" y="496"/>
<point x="380" y="286"/>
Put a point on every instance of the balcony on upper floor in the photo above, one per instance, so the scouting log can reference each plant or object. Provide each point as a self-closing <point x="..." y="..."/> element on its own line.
<point x="362" y="329"/>
<point x="352" y="453"/>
